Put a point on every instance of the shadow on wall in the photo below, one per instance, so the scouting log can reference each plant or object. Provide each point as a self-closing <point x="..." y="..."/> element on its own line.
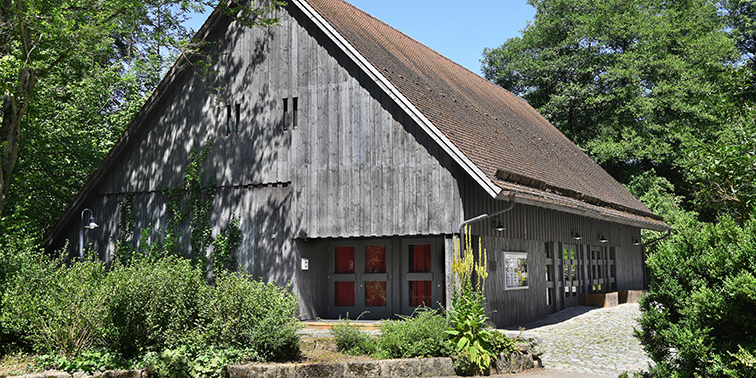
<point x="268" y="251"/>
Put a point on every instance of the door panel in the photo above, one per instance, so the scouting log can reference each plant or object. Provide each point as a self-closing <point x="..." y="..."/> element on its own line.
<point x="360" y="281"/>
<point x="422" y="274"/>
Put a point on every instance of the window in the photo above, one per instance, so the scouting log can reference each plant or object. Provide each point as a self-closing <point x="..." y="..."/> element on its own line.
<point x="344" y="290"/>
<point x="516" y="265"/>
<point x="228" y="119"/>
<point x="285" y="115"/>
<point x="289" y="116"/>
<point x="548" y="249"/>
<point x="375" y="262"/>
<point x="233" y="121"/>
<point x="295" y="106"/>
<point x="238" y="117"/>
<point x="420" y="292"/>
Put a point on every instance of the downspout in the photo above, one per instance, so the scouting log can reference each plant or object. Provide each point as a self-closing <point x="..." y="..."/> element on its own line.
<point x="486" y="216"/>
<point x="462" y="226"/>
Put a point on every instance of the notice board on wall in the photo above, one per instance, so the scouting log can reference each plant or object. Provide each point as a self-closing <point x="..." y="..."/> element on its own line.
<point x="516" y="267"/>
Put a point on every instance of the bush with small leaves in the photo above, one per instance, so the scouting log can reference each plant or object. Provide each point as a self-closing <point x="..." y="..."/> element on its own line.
<point x="243" y="313"/>
<point x="351" y="340"/>
<point x="422" y="335"/>
<point x="153" y="305"/>
<point x="697" y="319"/>
<point x="57" y="308"/>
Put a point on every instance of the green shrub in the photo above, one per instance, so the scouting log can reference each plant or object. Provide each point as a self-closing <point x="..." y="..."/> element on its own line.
<point x="89" y="361"/>
<point x="194" y="361"/>
<point x="17" y="256"/>
<point x="243" y="313"/>
<point x="153" y="305"/>
<point x="351" y="340"/>
<point x="500" y="343"/>
<point x="57" y="308"/>
<point x="155" y="312"/>
<point x="697" y="319"/>
<point x="422" y="335"/>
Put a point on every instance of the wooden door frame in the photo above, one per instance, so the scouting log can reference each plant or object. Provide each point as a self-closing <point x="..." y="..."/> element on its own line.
<point x="359" y="278"/>
<point x="437" y="274"/>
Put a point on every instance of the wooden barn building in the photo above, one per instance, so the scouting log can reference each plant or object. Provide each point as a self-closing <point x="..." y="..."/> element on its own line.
<point x="352" y="154"/>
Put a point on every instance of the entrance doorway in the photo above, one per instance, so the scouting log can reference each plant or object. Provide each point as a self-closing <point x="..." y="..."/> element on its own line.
<point x="423" y="278"/>
<point x="359" y="281"/>
<point x="572" y="274"/>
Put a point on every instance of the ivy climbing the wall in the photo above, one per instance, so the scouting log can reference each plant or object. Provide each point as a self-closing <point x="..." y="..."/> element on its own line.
<point x="124" y="243"/>
<point x="191" y="202"/>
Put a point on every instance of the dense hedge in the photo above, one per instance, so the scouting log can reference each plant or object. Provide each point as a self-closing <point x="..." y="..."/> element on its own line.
<point x="149" y="312"/>
<point x="698" y="318"/>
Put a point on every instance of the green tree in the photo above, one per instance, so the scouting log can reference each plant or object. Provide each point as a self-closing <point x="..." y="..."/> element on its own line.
<point x="697" y="320"/>
<point x="632" y="82"/>
<point x="724" y="169"/>
<point x="72" y="74"/>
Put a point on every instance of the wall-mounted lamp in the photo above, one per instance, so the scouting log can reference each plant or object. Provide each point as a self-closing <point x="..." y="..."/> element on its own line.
<point x="498" y="226"/>
<point x="576" y="235"/>
<point x="89" y="226"/>
<point x="636" y="241"/>
<point x="602" y="239"/>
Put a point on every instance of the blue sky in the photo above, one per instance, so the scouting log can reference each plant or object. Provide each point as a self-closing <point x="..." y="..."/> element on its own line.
<point x="458" y="30"/>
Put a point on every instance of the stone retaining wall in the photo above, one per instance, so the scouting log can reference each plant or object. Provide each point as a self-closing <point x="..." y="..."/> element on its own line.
<point x="631" y="296"/>
<point x="105" y="374"/>
<point x="523" y="358"/>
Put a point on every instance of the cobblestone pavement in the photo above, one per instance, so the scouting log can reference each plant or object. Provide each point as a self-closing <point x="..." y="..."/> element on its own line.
<point x="591" y="340"/>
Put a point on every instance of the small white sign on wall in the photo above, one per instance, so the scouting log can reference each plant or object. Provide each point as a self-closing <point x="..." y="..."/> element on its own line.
<point x="516" y="270"/>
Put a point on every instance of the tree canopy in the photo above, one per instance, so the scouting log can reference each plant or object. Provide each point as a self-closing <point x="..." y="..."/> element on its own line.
<point x="634" y="83"/>
<point x="662" y="95"/>
<point x="72" y="75"/>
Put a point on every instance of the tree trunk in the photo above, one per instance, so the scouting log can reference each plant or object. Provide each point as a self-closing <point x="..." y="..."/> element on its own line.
<point x="10" y="130"/>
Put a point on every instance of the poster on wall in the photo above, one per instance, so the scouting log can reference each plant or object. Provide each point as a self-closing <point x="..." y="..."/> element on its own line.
<point x="516" y="266"/>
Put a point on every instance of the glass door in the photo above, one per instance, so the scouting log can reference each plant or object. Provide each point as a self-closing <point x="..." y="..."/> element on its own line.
<point x="571" y="268"/>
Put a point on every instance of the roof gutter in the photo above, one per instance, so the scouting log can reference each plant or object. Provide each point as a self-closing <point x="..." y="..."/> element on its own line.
<point x="486" y="216"/>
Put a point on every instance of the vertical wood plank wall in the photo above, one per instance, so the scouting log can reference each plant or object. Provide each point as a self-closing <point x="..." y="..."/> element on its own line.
<point x="528" y="229"/>
<point x="355" y="166"/>
<point x="361" y="167"/>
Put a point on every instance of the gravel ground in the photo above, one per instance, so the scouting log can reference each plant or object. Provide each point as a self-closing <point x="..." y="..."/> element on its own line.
<point x="591" y="340"/>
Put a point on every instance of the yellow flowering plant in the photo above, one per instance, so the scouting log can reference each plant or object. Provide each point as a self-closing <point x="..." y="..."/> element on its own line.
<point x="467" y="315"/>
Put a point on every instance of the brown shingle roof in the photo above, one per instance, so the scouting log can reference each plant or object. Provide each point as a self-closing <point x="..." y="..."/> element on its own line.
<point x="508" y="140"/>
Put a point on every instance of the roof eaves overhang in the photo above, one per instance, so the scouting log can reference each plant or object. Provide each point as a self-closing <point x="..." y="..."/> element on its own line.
<point x="404" y="103"/>
<point x="535" y="197"/>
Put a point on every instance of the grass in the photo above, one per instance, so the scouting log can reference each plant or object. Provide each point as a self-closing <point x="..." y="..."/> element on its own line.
<point x="17" y="365"/>
<point x="323" y="349"/>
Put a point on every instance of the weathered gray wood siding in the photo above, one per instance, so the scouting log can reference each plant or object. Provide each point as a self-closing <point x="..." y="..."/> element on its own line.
<point x="355" y="166"/>
<point x="528" y="229"/>
<point x="361" y="167"/>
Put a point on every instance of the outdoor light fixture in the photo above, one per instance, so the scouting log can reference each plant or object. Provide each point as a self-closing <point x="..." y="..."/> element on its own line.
<point x="499" y="227"/>
<point x="89" y="226"/>
<point x="602" y="239"/>
<point x="576" y="235"/>
<point x="636" y="241"/>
